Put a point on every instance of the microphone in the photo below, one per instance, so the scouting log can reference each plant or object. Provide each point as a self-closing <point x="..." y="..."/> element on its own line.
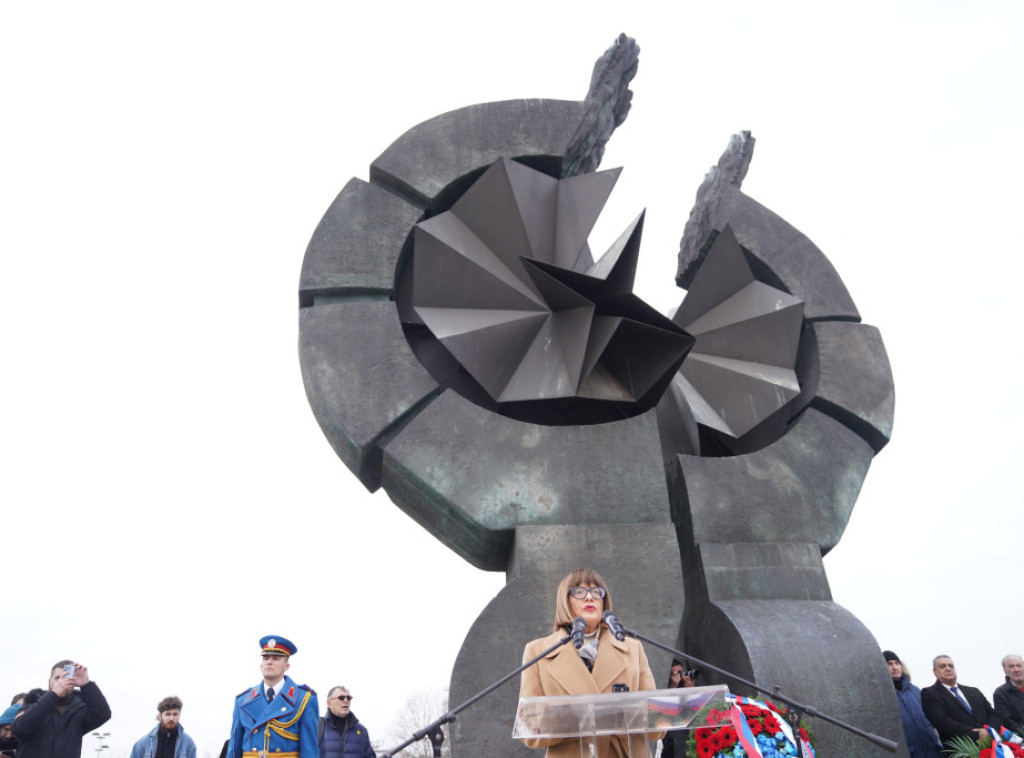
<point x="579" y="626"/>
<point x="614" y="625"/>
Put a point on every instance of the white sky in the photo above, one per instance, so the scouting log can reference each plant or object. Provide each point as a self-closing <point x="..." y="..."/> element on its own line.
<point x="163" y="168"/>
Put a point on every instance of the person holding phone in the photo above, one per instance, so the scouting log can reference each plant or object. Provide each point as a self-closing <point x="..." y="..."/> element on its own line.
<point x="51" y="723"/>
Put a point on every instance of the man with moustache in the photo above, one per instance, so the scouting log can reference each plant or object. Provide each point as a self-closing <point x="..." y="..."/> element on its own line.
<point x="167" y="739"/>
<point x="277" y="718"/>
<point x="1009" y="698"/>
<point x="53" y="723"/>
<point x="954" y="709"/>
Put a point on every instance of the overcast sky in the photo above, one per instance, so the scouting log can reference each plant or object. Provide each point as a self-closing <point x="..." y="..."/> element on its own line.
<point x="164" y="166"/>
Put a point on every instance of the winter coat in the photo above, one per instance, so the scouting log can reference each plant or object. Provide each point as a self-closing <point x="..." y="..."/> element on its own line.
<point x="344" y="738"/>
<point x="564" y="673"/>
<point x="1009" y="703"/>
<point x="45" y="732"/>
<point x="921" y="739"/>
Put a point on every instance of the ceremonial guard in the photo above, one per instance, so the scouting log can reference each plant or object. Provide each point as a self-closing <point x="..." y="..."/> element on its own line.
<point x="277" y="718"/>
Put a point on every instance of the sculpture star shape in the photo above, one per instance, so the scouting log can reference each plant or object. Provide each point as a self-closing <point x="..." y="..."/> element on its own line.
<point x="506" y="283"/>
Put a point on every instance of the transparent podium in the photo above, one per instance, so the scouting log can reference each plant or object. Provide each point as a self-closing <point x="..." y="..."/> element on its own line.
<point x="629" y="714"/>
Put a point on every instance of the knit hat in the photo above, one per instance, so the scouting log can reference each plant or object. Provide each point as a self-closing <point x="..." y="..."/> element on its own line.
<point x="9" y="714"/>
<point x="889" y="655"/>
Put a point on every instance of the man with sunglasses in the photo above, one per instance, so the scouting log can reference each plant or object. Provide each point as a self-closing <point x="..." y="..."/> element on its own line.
<point x="277" y="717"/>
<point x="340" y="733"/>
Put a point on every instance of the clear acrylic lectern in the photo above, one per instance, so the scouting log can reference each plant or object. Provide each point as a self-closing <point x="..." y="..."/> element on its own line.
<point x="587" y="717"/>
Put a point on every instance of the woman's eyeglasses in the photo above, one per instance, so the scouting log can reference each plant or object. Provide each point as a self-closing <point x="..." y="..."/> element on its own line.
<point x="580" y="593"/>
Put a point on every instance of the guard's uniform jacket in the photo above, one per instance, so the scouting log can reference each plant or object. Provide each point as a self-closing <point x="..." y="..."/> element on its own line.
<point x="284" y="728"/>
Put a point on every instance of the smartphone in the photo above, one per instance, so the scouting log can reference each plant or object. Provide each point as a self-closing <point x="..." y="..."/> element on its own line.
<point x="69" y="671"/>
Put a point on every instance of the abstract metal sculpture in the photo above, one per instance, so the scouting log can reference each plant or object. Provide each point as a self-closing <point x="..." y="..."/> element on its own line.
<point x="505" y="281"/>
<point x="706" y="497"/>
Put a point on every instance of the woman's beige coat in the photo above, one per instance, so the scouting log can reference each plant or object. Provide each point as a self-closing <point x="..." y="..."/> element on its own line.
<point x="564" y="673"/>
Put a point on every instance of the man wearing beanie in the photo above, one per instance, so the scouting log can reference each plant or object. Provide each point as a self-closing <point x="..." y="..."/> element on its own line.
<point x="921" y="739"/>
<point x="8" y="742"/>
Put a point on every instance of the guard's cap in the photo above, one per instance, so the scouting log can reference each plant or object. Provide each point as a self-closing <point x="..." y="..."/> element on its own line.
<point x="9" y="714"/>
<point x="274" y="644"/>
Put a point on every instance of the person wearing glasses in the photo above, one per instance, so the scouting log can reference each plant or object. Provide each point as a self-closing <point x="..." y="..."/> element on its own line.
<point x="601" y="663"/>
<point x="340" y="733"/>
<point x="277" y="717"/>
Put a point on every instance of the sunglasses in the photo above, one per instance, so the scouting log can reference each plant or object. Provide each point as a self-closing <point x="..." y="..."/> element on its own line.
<point x="341" y="697"/>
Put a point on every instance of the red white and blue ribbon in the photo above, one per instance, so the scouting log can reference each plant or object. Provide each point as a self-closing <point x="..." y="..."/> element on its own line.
<point x="739" y="723"/>
<point x="999" y="749"/>
<point x="744" y="734"/>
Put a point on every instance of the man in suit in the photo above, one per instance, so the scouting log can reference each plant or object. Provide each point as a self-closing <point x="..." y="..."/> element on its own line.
<point x="955" y="709"/>
<point x="277" y="717"/>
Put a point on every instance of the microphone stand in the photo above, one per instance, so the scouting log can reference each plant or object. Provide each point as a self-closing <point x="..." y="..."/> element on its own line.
<point x="433" y="730"/>
<point x="796" y="709"/>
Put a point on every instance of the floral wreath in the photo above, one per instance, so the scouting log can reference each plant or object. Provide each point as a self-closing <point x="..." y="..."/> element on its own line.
<point x="748" y="728"/>
<point x="996" y="745"/>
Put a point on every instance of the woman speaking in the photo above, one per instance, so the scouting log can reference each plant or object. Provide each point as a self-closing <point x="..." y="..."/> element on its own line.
<point x="599" y="664"/>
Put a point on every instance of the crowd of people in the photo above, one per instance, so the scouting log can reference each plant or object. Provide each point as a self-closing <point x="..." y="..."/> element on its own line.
<point x="602" y="663"/>
<point x="947" y="709"/>
<point x="279" y="717"/>
<point x="276" y="717"/>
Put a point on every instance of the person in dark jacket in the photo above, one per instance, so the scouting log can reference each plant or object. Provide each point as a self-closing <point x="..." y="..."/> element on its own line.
<point x="1009" y="698"/>
<point x="340" y="733"/>
<point x="673" y="745"/>
<point x="53" y="723"/>
<point x="921" y="739"/>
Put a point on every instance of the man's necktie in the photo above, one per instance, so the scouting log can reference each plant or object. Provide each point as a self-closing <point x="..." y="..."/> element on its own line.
<point x="270" y="694"/>
<point x="960" y="697"/>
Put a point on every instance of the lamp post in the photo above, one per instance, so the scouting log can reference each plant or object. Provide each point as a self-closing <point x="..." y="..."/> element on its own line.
<point x="100" y="747"/>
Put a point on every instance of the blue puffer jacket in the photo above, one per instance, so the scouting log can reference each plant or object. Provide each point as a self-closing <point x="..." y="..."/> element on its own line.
<point x="344" y="738"/>
<point x="921" y="739"/>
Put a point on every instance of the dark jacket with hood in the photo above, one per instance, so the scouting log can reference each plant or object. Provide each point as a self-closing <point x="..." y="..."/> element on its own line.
<point x="45" y="732"/>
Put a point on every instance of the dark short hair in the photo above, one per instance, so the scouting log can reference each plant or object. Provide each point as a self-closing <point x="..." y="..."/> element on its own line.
<point x="171" y="703"/>
<point x="21" y="695"/>
<point x="335" y="688"/>
<point x="60" y="665"/>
